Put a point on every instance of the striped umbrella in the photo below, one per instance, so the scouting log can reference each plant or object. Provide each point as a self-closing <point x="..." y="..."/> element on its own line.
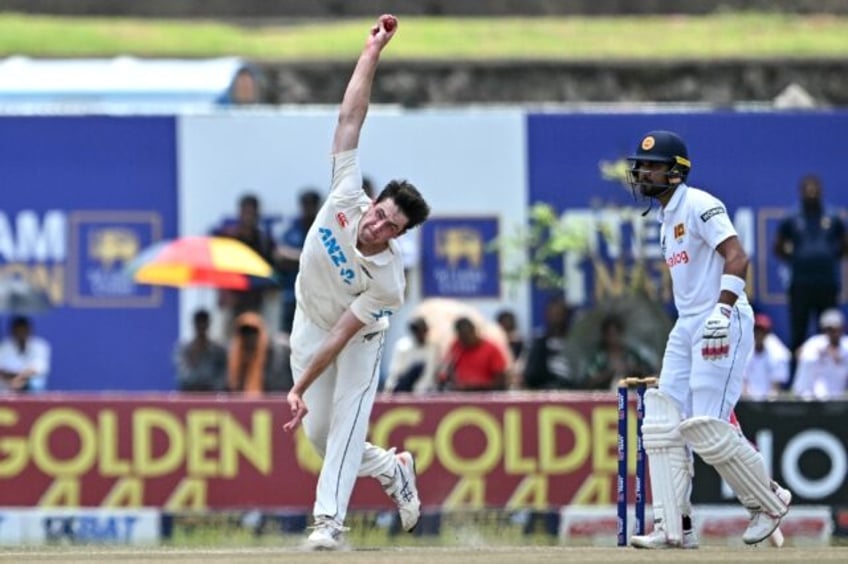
<point x="219" y="262"/>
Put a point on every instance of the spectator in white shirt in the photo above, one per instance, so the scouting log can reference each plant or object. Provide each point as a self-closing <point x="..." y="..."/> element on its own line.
<point x="24" y="358"/>
<point x="414" y="361"/>
<point x="768" y="368"/>
<point x="822" y="371"/>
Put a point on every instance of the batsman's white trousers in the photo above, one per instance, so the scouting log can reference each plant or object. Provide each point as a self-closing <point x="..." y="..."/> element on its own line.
<point x="706" y="387"/>
<point x="339" y="404"/>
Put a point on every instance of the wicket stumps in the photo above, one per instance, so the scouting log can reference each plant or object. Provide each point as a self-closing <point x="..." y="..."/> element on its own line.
<point x="640" y="385"/>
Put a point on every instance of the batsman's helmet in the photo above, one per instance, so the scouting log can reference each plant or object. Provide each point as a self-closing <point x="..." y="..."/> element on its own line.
<point x="659" y="147"/>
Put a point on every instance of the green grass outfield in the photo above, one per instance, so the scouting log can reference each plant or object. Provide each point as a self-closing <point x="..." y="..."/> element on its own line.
<point x="721" y="36"/>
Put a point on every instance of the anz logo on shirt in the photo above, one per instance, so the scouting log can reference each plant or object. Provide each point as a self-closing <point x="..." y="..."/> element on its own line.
<point x="334" y="251"/>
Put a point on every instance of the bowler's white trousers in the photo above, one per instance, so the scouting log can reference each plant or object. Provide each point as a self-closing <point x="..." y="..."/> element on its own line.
<point x="706" y="387"/>
<point x="339" y="404"/>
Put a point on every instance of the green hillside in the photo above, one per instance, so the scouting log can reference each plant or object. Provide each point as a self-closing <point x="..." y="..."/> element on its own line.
<point x="724" y="36"/>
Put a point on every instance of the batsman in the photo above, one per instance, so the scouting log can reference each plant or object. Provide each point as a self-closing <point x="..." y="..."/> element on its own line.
<point x="705" y="355"/>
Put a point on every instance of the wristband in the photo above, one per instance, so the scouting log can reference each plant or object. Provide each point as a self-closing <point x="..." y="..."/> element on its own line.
<point x="732" y="284"/>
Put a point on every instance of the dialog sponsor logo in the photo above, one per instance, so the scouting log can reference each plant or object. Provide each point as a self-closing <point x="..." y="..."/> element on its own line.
<point x="677" y="258"/>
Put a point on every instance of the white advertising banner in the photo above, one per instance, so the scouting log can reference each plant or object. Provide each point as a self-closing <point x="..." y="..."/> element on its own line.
<point x="84" y="526"/>
<point x="716" y="525"/>
<point x="11" y="526"/>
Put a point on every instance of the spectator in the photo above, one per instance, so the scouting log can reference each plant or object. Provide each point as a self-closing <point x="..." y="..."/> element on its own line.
<point x="552" y="361"/>
<point x="278" y="372"/>
<point x="767" y="370"/>
<point x="246" y="87"/>
<point x="24" y="358"/>
<point x="506" y="319"/>
<point x="473" y="363"/>
<point x="615" y="358"/>
<point x="247" y="230"/>
<point x="201" y="362"/>
<point x="823" y="360"/>
<point x="249" y="357"/>
<point x="414" y="361"/>
<point x="288" y="253"/>
<point x="812" y="242"/>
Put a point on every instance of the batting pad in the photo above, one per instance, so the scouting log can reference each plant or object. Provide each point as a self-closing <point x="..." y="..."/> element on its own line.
<point x="725" y="449"/>
<point x="670" y="465"/>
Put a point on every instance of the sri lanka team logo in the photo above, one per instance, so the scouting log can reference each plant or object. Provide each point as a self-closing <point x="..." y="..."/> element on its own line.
<point x="101" y="244"/>
<point x="456" y="257"/>
<point x="679" y="232"/>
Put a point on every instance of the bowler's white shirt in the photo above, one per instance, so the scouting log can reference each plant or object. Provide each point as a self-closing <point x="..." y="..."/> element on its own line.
<point x="693" y="224"/>
<point x="767" y="368"/>
<point x="334" y="275"/>
<point x="819" y="375"/>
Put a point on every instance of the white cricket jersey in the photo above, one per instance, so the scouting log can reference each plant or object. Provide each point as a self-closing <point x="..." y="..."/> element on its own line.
<point x="693" y="224"/>
<point x="334" y="275"/>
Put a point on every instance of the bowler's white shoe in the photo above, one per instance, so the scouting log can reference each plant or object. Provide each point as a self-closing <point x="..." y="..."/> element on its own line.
<point x="762" y="525"/>
<point x="402" y="489"/>
<point x="327" y="534"/>
<point x="657" y="539"/>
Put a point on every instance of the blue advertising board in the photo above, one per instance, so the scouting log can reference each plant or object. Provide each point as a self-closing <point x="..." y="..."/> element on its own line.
<point x="753" y="161"/>
<point x="82" y="196"/>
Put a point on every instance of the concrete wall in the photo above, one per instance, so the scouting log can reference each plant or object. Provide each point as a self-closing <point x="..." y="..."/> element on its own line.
<point x="335" y="8"/>
<point x="428" y="83"/>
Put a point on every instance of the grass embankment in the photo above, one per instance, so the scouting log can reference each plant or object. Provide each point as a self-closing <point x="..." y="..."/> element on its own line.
<point x="722" y="36"/>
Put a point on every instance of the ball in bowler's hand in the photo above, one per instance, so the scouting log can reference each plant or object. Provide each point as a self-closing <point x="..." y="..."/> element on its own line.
<point x="390" y="24"/>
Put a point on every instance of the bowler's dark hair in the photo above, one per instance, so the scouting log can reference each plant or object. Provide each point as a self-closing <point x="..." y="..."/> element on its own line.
<point x="408" y="199"/>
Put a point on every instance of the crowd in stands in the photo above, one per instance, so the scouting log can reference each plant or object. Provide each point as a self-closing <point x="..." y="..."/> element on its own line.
<point x="811" y="243"/>
<point x="250" y="353"/>
<point x="551" y="360"/>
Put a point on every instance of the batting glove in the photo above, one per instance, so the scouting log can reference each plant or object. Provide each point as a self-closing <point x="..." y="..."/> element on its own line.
<point x="715" y="343"/>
